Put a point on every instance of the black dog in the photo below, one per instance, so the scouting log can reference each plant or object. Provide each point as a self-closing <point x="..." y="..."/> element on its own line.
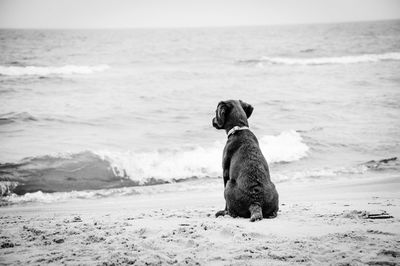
<point x="249" y="191"/>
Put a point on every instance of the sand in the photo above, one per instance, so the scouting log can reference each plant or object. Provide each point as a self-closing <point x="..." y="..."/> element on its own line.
<point x="319" y="223"/>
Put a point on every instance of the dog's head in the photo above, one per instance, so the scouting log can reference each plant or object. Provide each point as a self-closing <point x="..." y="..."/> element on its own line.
<point x="232" y="113"/>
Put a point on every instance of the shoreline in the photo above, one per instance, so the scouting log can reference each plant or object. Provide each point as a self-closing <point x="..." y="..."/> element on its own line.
<point x="318" y="223"/>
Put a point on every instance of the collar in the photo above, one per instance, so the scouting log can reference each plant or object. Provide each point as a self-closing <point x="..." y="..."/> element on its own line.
<point x="234" y="129"/>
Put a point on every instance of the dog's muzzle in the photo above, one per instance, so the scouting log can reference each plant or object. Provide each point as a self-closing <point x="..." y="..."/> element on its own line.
<point x="215" y="124"/>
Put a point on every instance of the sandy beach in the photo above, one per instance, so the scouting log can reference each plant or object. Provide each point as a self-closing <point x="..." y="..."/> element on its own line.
<point x="318" y="224"/>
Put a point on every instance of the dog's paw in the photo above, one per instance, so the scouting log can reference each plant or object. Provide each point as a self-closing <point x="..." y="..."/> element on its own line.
<point x="256" y="217"/>
<point x="273" y="215"/>
<point x="221" y="213"/>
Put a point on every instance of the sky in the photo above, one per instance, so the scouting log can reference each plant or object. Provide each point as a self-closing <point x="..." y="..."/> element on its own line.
<point x="188" y="13"/>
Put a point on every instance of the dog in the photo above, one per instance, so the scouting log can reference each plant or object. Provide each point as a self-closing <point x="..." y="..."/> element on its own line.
<point x="249" y="191"/>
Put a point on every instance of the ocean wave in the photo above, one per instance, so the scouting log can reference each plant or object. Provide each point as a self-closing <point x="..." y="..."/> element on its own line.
<point x="40" y="196"/>
<point x="14" y="117"/>
<point x="60" y="173"/>
<point x="318" y="173"/>
<point x="352" y="59"/>
<point x="111" y="169"/>
<point x="389" y="164"/>
<point x="285" y="147"/>
<point x="172" y="165"/>
<point x="196" y="184"/>
<point x="50" y="70"/>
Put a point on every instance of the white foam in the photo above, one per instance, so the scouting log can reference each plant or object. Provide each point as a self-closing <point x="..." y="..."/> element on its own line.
<point x="319" y="173"/>
<point x="167" y="165"/>
<point x="39" y="196"/>
<point x="199" y="161"/>
<point x="363" y="58"/>
<point x="52" y="70"/>
<point x="286" y="147"/>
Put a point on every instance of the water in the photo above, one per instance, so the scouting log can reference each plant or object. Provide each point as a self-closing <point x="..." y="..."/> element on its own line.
<point x="101" y="109"/>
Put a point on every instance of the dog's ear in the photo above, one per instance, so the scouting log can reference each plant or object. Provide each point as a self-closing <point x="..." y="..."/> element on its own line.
<point x="220" y="114"/>
<point x="248" y="109"/>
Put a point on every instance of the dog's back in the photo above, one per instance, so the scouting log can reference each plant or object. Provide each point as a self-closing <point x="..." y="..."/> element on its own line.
<point x="249" y="182"/>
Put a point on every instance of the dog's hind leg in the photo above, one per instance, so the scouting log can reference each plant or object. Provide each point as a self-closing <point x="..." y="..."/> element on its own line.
<point x="255" y="212"/>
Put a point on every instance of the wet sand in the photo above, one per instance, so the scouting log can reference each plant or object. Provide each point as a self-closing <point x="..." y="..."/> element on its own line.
<point x="318" y="223"/>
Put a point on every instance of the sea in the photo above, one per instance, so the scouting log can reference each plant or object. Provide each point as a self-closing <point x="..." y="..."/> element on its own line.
<point x="103" y="113"/>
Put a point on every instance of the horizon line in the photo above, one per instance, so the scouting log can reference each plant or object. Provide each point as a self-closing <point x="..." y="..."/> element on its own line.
<point x="198" y="27"/>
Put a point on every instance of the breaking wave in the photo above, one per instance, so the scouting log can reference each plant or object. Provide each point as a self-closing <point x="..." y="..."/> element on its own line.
<point x="50" y="70"/>
<point x="197" y="184"/>
<point x="111" y="169"/>
<point x="172" y="165"/>
<point x="353" y="59"/>
<point x="39" y="196"/>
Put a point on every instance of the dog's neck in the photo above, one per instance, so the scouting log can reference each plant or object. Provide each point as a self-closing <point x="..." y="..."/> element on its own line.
<point x="236" y="128"/>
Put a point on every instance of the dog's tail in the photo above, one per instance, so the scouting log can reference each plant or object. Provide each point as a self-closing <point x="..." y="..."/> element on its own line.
<point x="255" y="212"/>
